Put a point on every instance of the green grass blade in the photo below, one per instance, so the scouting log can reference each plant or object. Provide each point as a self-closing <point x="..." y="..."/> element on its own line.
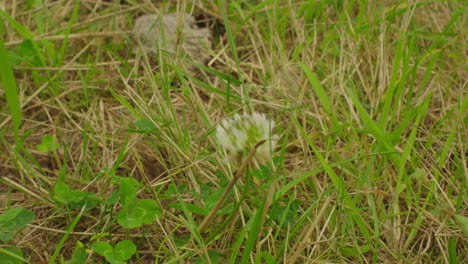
<point x="65" y="236"/>
<point x="73" y="19"/>
<point x="229" y="34"/>
<point x="378" y="132"/>
<point x="12" y="254"/>
<point x="22" y="30"/>
<point x="9" y="86"/>
<point x="303" y="176"/>
<point x="322" y="95"/>
<point x="253" y="234"/>
<point x="338" y="182"/>
<point x="125" y="103"/>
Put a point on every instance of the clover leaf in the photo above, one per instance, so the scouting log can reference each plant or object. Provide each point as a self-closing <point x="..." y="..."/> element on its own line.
<point x="123" y="251"/>
<point x="12" y="220"/>
<point x="47" y="144"/>
<point x="144" y="212"/>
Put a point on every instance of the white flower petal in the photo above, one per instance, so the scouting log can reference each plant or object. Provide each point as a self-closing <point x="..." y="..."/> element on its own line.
<point x="233" y="134"/>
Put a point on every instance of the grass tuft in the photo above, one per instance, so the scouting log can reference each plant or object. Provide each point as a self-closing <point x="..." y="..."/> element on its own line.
<point x="114" y="151"/>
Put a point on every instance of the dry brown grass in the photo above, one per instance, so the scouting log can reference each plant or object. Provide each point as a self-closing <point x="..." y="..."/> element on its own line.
<point x="351" y="48"/>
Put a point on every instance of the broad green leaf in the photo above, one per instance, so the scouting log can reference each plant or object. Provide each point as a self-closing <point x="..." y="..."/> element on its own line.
<point x="61" y="190"/>
<point x="114" y="261"/>
<point x="11" y="255"/>
<point x="10" y="215"/>
<point x="23" y="218"/>
<point x="79" y="256"/>
<point x="127" y="219"/>
<point x="12" y="220"/>
<point x="75" y="198"/>
<point x="124" y="250"/>
<point x="147" y="211"/>
<point x="113" y="198"/>
<point x="128" y="192"/>
<point x="104" y="249"/>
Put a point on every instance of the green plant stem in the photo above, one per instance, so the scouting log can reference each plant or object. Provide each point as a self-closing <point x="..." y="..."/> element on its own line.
<point x="228" y="189"/>
<point x="232" y="215"/>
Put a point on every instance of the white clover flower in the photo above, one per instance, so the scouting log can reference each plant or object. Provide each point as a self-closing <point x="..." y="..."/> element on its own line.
<point x="240" y="134"/>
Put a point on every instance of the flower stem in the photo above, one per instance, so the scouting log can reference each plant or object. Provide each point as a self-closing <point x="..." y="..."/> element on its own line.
<point x="228" y="189"/>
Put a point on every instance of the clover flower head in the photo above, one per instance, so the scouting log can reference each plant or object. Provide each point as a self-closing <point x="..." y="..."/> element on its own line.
<point x="241" y="133"/>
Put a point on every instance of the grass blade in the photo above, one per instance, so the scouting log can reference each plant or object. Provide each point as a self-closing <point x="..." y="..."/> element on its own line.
<point x="66" y="235"/>
<point x="9" y="85"/>
<point x="338" y="182"/>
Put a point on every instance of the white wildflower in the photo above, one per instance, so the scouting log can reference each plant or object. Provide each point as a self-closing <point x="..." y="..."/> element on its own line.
<point x="241" y="133"/>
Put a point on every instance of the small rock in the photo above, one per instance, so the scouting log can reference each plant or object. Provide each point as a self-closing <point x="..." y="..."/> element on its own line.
<point x="167" y="31"/>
